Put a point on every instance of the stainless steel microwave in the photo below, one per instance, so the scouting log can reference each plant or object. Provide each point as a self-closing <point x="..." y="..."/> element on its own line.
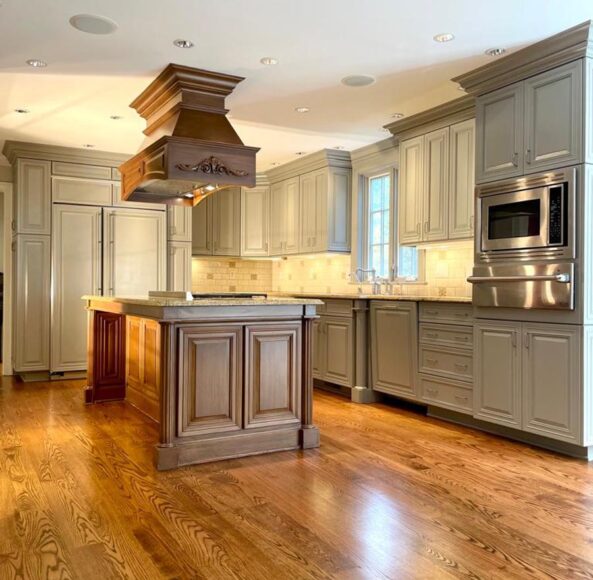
<point x="528" y="216"/>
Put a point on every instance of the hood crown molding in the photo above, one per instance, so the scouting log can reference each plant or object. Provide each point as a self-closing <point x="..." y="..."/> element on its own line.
<point x="564" y="47"/>
<point x="312" y="162"/>
<point x="12" y="150"/>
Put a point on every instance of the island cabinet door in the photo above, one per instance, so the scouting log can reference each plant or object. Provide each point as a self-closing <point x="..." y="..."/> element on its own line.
<point x="210" y="380"/>
<point x="272" y="374"/>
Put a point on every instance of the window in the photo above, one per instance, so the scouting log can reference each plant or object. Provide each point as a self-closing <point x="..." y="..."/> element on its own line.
<point x="382" y="252"/>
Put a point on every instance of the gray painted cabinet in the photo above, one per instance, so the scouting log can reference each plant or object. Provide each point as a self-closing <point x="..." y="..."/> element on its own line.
<point x="313" y="211"/>
<point x="461" y="179"/>
<point x="201" y="228"/>
<point x="394" y="348"/>
<point x="497" y="388"/>
<point x="32" y="199"/>
<point x="333" y="354"/>
<point x="254" y="221"/>
<point x="179" y="266"/>
<point x="411" y="190"/>
<point x="179" y="223"/>
<point x="436" y="185"/>
<point x="285" y="217"/>
<point x="226" y="222"/>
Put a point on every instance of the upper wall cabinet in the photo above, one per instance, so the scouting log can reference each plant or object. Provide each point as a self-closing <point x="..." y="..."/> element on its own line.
<point x="255" y="203"/>
<point x="436" y="185"/>
<point x="32" y="207"/>
<point x="284" y="217"/>
<point x="531" y="126"/>
<point x="201" y="228"/>
<point x="179" y="223"/>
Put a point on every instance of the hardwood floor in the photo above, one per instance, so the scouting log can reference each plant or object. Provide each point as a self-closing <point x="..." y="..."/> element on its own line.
<point x="390" y="494"/>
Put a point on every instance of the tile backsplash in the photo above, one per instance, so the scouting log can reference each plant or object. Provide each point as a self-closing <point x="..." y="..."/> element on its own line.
<point x="446" y="272"/>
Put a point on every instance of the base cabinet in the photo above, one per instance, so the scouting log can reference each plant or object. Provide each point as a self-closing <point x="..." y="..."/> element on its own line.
<point x="528" y="377"/>
<point x="333" y="355"/>
<point x="394" y="348"/>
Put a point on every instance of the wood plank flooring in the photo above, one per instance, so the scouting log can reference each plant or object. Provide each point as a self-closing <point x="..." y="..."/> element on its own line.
<point x="390" y="494"/>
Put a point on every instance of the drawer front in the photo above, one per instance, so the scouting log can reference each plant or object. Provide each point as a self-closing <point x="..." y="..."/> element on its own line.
<point x="80" y="170"/>
<point x="449" y="363"/>
<point x="338" y="307"/>
<point x="447" y="335"/>
<point x="82" y="191"/>
<point x="450" y="395"/>
<point x="446" y="312"/>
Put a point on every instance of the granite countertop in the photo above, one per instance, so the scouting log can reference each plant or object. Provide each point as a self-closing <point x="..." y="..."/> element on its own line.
<point x="321" y="296"/>
<point x="287" y="300"/>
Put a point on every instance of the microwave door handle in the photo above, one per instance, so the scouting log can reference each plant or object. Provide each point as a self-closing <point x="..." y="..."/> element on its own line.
<point x="561" y="278"/>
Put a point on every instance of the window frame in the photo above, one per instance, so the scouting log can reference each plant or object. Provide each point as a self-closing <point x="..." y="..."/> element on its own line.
<point x="364" y="226"/>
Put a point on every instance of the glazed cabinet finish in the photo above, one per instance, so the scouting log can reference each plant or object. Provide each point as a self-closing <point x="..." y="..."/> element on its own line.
<point x="411" y="190"/>
<point x="179" y="223"/>
<point x="532" y="125"/>
<point x="76" y="248"/>
<point x="32" y="297"/>
<point x="436" y="185"/>
<point x="201" y="233"/>
<point x="81" y="191"/>
<point x="551" y="381"/>
<point x="135" y="251"/>
<point x="394" y="348"/>
<point x="32" y="198"/>
<point x="313" y="208"/>
<point x="285" y="217"/>
<point x="226" y="222"/>
<point x="333" y="359"/>
<point x="461" y="179"/>
<point x="497" y="353"/>
<point x="179" y="266"/>
<point x="255" y="204"/>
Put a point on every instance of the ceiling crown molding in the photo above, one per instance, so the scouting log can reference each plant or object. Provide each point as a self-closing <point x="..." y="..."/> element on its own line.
<point x="441" y="116"/>
<point x="312" y="162"/>
<point x="549" y="53"/>
<point x="12" y="150"/>
<point x="362" y="154"/>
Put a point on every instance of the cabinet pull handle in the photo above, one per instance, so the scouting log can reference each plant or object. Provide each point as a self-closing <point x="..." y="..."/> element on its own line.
<point x="528" y="156"/>
<point x="432" y="335"/>
<point x="432" y="391"/>
<point x="418" y="228"/>
<point x="514" y="340"/>
<point x="460" y="398"/>
<point x="526" y="340"/>
<point x="432" y="312"/>
<point x="461" y="314"/>
<point x="462" y="338"/>
<point x="425" y="226"/>
<point x="515" y="160"/>
<point x="460" y="366"/>
<point x="432" y="361"/>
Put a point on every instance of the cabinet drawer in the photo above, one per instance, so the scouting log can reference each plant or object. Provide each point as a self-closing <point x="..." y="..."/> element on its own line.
<point x="446" y="363"/>
<point x="82" y="191"/>
<point x="447" y="335"/>
<point x="338" y="307"/>
<point x="80" y="170"/>
<point x="446" y="312"/>
<point x="448" y="394"/>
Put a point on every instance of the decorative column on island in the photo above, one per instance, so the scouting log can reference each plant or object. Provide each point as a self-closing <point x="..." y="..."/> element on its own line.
<point x="223" y="378"/>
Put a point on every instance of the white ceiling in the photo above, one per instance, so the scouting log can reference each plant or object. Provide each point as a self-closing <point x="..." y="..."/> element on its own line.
<point x="317" y="42"/>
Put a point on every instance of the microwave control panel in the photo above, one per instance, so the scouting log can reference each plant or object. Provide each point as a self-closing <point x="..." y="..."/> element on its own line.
<point x="556" y="218"/>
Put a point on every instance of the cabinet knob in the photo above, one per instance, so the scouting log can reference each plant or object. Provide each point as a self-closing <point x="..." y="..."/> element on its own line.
<point x="515" y="159"/>
<point x="528" y="156"/>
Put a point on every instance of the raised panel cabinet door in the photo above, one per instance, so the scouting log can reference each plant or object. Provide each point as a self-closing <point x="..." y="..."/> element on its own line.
<point x="272" y="374"/>
<point x="292" y="216"/>
<point x="226" y="218"/>
<point x="552" y="403"/>
<point x="32" y="289"/>
<point x="179" y="223"/>
<point x="499" y="134"/>
<point x="201" y="228"/>
<point x="313" y="218"/>
<point x="497" y="375"/>
<point x="76" y="271"/>
<point x="179" y="267"/>
<point x="411" y="190"/>
<point x="119" y="202"/>
<point x="339" y="365"/>
<point x="81" y="191"/>
<point x="277" y="217"/>
<point x="553" y="118"/>
<point x="319" y="349"/>
<point x="32" y="197"/>
<point x="210" y="381"/>
<point x="462" y="180"/>
<point x="135" y="251"/>
<point x="436" y="188"/>
<point x="255" y="205"/>
<point x="394" y="349"/>
<point x="339" y="226"/>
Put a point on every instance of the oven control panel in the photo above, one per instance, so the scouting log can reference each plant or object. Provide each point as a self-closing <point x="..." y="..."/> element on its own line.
<point x="556" y="216"/>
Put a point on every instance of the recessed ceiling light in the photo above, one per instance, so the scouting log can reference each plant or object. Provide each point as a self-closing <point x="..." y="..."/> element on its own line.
<point x="268" y="60"/>
<point x="460" y="88"/>
<point x="302" y="109"/>
<point x="273" y="164"/>
<point x="36" y="63"/>
<point x="443" y="37"/>
<point x="299" y="153"/>
<point x="93" y="24"/>
<point x="21" y="111"/>
<point x="397" y="115"/>
<point x="495" y="51"/>
<point x="358" y="80"/>
<point x="385" y="130"/>
<point x="182" y="43"/>
<point x="340" y="147"/>
<point x="115" y="117"/>
<point x="88" y="145"/>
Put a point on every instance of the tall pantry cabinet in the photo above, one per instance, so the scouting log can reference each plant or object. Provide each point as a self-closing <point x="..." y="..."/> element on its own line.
<point x="72" y="235"/>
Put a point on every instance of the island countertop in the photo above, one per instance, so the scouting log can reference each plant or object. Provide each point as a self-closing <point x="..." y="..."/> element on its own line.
<point x="200" y="302"/>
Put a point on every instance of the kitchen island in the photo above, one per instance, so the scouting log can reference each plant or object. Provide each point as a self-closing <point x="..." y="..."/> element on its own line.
<point x="223" y="377"/>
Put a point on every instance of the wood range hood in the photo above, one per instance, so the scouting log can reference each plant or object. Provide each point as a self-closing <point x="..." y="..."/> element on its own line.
<point x="191" y="150"/>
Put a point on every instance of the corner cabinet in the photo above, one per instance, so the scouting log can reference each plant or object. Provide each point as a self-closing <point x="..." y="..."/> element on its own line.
<point x="531" y="126"/>
<point x="394" y="348"/>
<point x="436" y="185"/>
<point x="529" y="377"/>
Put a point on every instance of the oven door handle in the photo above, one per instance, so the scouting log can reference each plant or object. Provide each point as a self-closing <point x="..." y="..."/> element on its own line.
<point x="561" y="278"/>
